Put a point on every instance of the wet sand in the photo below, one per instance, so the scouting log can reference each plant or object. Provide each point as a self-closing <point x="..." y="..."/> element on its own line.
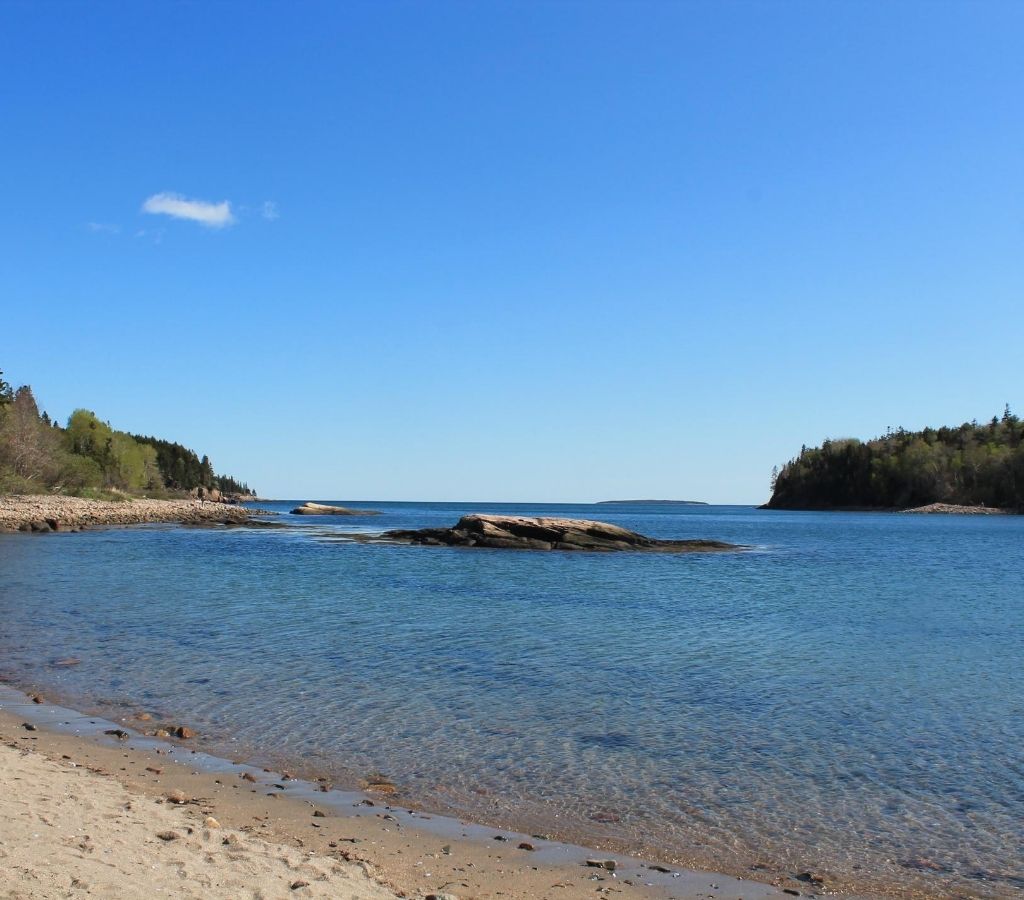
<point x="66" y="779"/>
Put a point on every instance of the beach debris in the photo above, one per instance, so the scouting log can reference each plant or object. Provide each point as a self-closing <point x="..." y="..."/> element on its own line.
<point x="211" y="822"/>
<point x="380" y="784"/>
<point x="119" y="733"/>
<point x="176" y="796"/>
<point x="231" y="840"/>
<point x="663" y="869"/>
<point x="248" y="776"/>
<point x="298" y="883"/>
<point x="607" y="864"/>
<point x="811" y="878"/>
<point x="526" y="845"/>
<point x="36" y="698"/>
<point x="28" y="726"/>
<point x="319" y="814"/>
<point x="156" y="770"/>
<point x="161" y="733"/>
<point x="441" y="897"/>
<point x="184" y="732"/>
<point x="168" y="835"/>
<point x="500" y="837"/>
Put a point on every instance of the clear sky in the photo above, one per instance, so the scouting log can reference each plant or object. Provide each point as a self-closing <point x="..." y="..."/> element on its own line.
<point x="513" y="250"/>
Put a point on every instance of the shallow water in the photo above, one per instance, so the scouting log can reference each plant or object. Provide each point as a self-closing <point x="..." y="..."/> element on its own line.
<point x="848" y="697"/>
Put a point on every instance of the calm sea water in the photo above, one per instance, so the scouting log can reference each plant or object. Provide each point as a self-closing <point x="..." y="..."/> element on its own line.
<point x="848" y="697"/>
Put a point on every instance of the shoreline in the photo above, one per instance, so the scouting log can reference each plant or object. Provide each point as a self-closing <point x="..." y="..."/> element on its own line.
<point x="943" y="509"/>
<point x="43" y="513"/>
<point x="404" y="850"/>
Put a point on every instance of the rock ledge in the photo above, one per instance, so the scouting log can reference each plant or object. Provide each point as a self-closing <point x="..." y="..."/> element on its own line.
<point x="527" y="533"/>
<point x="323" y="509"/>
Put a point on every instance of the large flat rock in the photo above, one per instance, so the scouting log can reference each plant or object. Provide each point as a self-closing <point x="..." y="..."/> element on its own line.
<point x="324" y="509"/>
<point x="543" y="533"/>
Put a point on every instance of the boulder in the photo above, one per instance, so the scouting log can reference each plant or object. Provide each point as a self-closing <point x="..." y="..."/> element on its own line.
<point x="323" y="509"/>
<point x="542" y="533"/>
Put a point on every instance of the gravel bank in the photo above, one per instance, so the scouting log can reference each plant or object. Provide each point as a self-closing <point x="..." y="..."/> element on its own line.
<point x="55" y="513"/>
<point x="952" y="509"/>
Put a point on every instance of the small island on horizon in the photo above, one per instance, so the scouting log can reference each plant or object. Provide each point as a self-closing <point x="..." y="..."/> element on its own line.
<point x="650" y="503"/>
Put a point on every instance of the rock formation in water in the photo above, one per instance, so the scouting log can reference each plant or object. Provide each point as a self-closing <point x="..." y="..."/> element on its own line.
<point x="322" y="509"/>
<point x="525" y="533"/>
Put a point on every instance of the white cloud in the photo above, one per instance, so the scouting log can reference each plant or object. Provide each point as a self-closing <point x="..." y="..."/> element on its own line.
<point x="212" y="215"/>
<point x="269" y="210"/>
<point x="103" y="228"/>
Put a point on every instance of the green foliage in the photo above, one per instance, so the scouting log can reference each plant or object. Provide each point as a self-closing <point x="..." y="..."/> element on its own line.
<point x="972" y="464"/>
<point x="6" y="391"/>
<point x="90" y="458"/>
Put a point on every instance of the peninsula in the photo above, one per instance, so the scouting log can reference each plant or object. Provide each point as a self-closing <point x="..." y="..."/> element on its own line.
<point x="42" y="514"/>
<point x="971" y="467"/>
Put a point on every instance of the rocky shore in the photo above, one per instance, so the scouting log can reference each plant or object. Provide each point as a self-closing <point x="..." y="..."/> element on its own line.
<point x="953" y="509"/>
<point x="528" y="533"/>
<point x="42" y="514"/>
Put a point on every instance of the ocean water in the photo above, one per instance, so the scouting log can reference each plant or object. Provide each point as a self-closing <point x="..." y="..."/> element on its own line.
<point x="847" y="697"/>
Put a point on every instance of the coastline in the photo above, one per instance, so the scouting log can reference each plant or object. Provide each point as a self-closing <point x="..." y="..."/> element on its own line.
<point x="943" y="509"/>
<point x="43" y="513"/>
<point x="124" y="709"/>
<point x="342" y="843"/>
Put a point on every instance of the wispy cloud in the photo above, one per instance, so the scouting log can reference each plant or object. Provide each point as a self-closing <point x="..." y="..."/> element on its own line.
<point x="103" y="228"/>
<point x="212" y="215"/>
<point x="269" y="210"/>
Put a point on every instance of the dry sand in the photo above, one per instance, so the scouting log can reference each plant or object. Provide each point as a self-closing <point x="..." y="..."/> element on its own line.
<point x="66" y="831"/>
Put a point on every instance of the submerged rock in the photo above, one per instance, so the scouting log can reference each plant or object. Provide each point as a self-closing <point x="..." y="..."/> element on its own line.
<point x="526" y="533"/>
<point x="323" y="509"/>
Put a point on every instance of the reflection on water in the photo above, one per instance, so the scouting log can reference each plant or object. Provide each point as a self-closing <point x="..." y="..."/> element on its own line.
<point x="846" y="698"/>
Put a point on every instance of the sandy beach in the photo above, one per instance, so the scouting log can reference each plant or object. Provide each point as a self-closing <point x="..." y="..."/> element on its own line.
<point x="70" y="831"/>
<point x="94" y="814"/>
<point x="42" y="513"/>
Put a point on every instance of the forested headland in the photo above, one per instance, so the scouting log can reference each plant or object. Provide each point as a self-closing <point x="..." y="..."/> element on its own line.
<point x="972" y="465"/>
<point x="87" y="457"/>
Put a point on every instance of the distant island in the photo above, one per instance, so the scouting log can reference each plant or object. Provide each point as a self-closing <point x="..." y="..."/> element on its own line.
<point x="86" y="457"/>
<point x="650" y="503"/>
<point x="971" y="465"/>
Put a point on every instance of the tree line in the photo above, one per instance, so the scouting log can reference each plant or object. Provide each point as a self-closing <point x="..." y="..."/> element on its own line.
<point x="87" y="455"/>
<point x="972" y="464"/>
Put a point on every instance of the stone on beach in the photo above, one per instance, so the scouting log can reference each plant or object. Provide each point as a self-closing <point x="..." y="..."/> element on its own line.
<point x="543" y="533"/>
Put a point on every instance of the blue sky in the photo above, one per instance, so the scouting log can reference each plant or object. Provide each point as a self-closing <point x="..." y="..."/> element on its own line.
<point x="513" y="251"/>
